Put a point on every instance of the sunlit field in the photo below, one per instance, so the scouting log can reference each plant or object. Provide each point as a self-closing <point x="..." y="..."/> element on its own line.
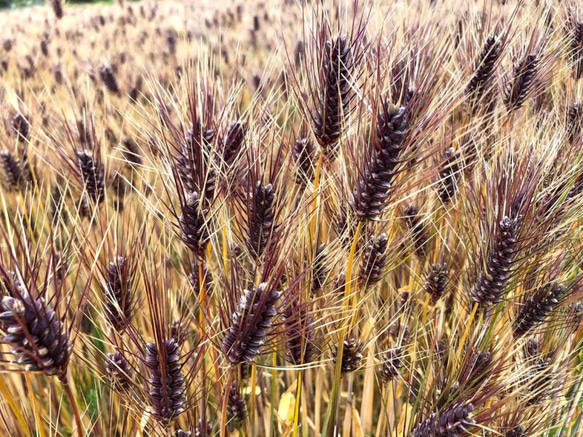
<point x="292" y="218"/>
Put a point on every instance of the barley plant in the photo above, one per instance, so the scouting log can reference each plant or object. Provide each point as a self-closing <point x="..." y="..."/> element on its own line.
<point x="292" y="218"/>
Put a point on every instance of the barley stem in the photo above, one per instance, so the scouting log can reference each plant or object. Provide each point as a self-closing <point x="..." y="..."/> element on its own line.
<point x="330" y="422"/>
<point x="297" y="405"/>
<point x="65" y="381"/>
<point x="224" y="430"/>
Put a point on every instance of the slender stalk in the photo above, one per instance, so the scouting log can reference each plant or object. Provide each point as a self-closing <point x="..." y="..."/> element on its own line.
<point x="347" y="426"/>
<point x="330" y="423"/>
<point x="312" y="243"/>
<point x="65" y="381"/>
<point x="40" y="429"/>
<point x="297" y="406"/>
<point x="224" y="431"/>
<point x="253" y="409"/>
<point x="273" y="392"/>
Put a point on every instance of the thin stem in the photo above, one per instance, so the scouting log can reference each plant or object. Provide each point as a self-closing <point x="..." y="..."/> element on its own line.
<point x="253" y="409"/>
<point x="227" y="387"/>
<point x="298" y="398"/>
<point x="65" y="380"/>
<point x="330" y="423"/>
<point x="313" y="244"/>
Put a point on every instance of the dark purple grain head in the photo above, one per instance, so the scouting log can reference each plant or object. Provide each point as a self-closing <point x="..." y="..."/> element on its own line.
<point x="449" y="175"/>
<point x="490" y="286"/>
<point x="374" y="260"/>
<point x="320" y="268"/>
<point x="261" y="218"/>
<point x="299" y="335"/>
<point x="391" y="364"/>
<point x="250" y="324"/>
<point x="575" y="122"/>
<point x="119" y="295"/>
<point x="21" y="127"/>
<point x="451" y="422"/>
<point x="37" y="336"/>
<point x="518" y="90"/>
<point x="517" y="431"/>
<point x="12" y="171"/>
<point x="234" y="141"/>
<point x="119" y="371"/>
<point x="92" y="176"/>
<point x="236" y="408"/>
<point x="304" y="155"/>
<point x="193" y="163"/>
<point x="131" y="152"/>
<point x="351" y="354"/>
<point x="417" y="229"/>
<point x="537" y="308"/>
<point x="484" y="68"/>
<point x="193" y="225"/>
<point x="166" y="383"/>
<point x="374" y="181"/>
<point x="108" y="78"/>
<point x="436" y="281"/>
<point x="194" y="278"/>
<point x="334" y="97"/>
<point x="57" y="6"/>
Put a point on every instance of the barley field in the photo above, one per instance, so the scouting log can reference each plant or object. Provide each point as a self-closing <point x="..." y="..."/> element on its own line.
<point x="292" y="218"/>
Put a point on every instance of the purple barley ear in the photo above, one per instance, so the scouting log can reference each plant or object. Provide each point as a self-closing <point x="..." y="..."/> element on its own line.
<point x="451" y="422"/>
<point x="320" y="268"/>
<point x="166" y="383"/>
<point x="118" y="371"/>
<point x="304" y="156"/>
<point x="57" y="6"/>
<point x="575" y="315"/>
<point x="299" y="334"/>
<point x="12" y="171"/>
<point x="436" y="281"/>
<point x="449" y="175"/>
<point x="518" y="90"/>
<point x="374" y="181"/>
<point x="373" y="261"/>
<point x="351" y="354"/>
<point x="182" y="433"/>
<point x="484" y="69"/>
<point x="480" y="368"/>
<point x="194" y="278"/>
<point x="92" y="175"/>
<point x="417" y="228"/>
<point x="21" y="127"/>
<point x="575" y="121"/>
<point x="261" y="218"/>
<point x="234" y="141"/>
<point x="236" y="408"/>
<point x="193" y="166"/>
<point x="38" y="338"/>
<point x="193" y="225"/>
<point x="334" y="98"/>
<point x="250" y="324"/>
<point x="537" y="308"/>
<point x="490" y="286"/>
<point x="517" y="431"/>
<point x="107" y="76"/>
<point x="119" y="295"/>
<point x="391" y="364"/>
<point x="131" y="152"/>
